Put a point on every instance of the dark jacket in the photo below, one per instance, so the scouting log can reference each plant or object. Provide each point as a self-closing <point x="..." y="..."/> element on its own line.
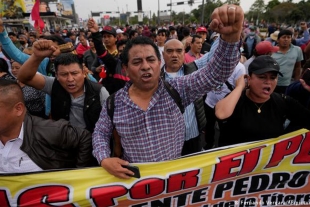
<point x="56" y="144"/>
<point x="61" y="103"/>
<point x="199" y="103"/>
<point x="205" y="48"/>
<point x="115" y="76"/>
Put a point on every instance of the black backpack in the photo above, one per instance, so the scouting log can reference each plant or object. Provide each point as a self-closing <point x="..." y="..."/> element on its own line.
<point x="115" y="143"/>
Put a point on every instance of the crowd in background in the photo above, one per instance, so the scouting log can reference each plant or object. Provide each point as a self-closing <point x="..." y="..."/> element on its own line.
<point x="272" y="63"/>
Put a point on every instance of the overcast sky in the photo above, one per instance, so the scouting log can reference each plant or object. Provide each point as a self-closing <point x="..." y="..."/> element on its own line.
<point x="83" y="7"/>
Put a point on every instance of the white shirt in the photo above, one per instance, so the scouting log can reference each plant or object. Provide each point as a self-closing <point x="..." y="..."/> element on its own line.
<point x="216" y="95"/>
<point x="161" y="50"/>
<point x="13" y="159"/>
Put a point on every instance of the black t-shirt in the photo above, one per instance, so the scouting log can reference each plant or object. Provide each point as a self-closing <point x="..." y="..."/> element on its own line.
<point x="246" y="124"/>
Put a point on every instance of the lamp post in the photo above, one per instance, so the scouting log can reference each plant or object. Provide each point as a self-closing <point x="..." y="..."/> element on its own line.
<point x="158" y="21"/>
<point x="202" y="12"/>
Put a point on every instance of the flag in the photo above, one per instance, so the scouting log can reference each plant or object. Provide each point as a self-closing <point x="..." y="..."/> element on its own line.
<point x="35" y="19"/>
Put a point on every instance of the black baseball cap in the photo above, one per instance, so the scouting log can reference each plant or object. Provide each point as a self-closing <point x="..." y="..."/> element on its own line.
<point x="263" y="64"/>
<point x="109" y="29"/>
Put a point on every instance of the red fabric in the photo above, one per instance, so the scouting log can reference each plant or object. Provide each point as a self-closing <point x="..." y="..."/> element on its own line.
<point x="80" y="49"/>
<point x="104" y="54"/>
<point x="303" y="47"/>
<point x="35" y="16"/>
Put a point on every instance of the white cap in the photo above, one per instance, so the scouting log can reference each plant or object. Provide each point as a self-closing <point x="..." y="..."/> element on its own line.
<point x="119" y="31"/>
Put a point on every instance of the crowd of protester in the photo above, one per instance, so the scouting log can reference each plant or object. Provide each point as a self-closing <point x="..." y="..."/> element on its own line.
<point x="109" y="96"/>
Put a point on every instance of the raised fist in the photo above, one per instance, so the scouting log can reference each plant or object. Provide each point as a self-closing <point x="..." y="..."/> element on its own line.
<point x="92" y="25"/>
<point x="45" y="48"/>
<point x="227" y="20"/>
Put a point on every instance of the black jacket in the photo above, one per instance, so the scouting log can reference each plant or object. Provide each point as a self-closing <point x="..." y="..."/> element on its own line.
<point x="56" y="144"/>
<point x="199" y="103"/>
<point x="61" y="103"/>
<point x="115" y="76"/>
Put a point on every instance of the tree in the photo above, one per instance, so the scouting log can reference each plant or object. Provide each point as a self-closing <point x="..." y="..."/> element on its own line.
<point x="258" y="8"/>
<point x="281" y="12"/>
<point x="296" y="16"/>
<point x="272" y="4"/>
<point x="208" y="9"/>
<point x="236" y="2"/>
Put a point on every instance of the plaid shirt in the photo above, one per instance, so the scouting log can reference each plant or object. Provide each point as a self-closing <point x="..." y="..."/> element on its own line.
<point x="157" y="134"/>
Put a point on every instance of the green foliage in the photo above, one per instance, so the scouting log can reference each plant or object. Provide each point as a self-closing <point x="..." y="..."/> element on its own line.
<point x="280" y="11"/>
<point x="274" y="11"/>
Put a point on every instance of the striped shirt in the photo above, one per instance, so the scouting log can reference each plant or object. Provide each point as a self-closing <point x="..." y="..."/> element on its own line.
<point x="157" y="134"/>
<point x="191" y="125"/>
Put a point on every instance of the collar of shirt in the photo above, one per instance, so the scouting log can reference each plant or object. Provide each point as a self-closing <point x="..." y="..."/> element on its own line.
<point x="193" y="55"/>
<point x="179" y="73"/>
<point x="20" y="136"/>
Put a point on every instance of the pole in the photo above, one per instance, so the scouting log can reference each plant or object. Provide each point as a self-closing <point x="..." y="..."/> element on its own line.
<point x="170" y="11"/>
<point x="119" y="17"/>
<point x="158" y="20"/>
<point x="202" y="12"/>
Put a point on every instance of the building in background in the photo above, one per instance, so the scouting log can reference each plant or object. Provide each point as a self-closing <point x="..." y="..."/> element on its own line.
<point x="56" y="14"/>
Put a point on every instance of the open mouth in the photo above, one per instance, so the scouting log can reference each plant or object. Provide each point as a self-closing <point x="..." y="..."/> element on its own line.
<point x="266" y="90"/>
<point x="146" y="76"/>
<point x="71" y="86"/>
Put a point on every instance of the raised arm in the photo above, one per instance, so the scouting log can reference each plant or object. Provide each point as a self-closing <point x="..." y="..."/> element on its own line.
<point x="109" y="61"/>
<point x="305" y="37"/>
<point x="225" y="107"/>
<point x="28" y="72"/>
<point x="218" y="66"/>
<point x="14" y="53"/>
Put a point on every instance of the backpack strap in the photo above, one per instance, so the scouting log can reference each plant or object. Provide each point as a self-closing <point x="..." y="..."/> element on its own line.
<point x="230" y="87"/>
<point x="110" y="106"/>
<point x="115" y="143"/>
<point x="175" y="95"/>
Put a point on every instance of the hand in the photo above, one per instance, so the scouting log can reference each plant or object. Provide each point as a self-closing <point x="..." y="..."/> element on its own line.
<point x="227" y="20"/>
<point x="45" y="48"/>
<point x="98" y="69"/>
<point x="114" y="167"/>
<point x="86" y="71"/>
<point x="241" y="81"/>
<point x="304" y="84"/>
<point x="92" y="25"/>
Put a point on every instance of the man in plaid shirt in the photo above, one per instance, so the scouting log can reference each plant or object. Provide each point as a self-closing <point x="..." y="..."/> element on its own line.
<point x="146" y="117"/>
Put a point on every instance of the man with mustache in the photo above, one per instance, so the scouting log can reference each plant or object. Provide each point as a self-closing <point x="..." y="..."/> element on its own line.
<point x="148" y="121"/>
<point x="73" y="96"/>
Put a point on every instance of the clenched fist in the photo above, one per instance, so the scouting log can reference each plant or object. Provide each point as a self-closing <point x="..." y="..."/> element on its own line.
<point x="227" y="20"/>
<point x="92" y="25"/>
<point x="45" y="48"/>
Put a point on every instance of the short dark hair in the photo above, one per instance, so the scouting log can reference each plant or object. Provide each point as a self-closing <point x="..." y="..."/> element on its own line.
<point x="55" y="38"/>
<point x="186" y="31"/>
<point x="132" y="33"/>
<point x="121" y="42"/>
<point x="285" y="32"/>
<point x="12" y="34"/>
<point x="141" y="40"/>
<point x="196" y="37"/>
<point x="33" y="35"/>
<point x="11" y="86"/>
<point x="66" y="59"/>
<point x="162" y="31"/>
<point x="69" y="34"/>
<point x="4" y="65"/>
